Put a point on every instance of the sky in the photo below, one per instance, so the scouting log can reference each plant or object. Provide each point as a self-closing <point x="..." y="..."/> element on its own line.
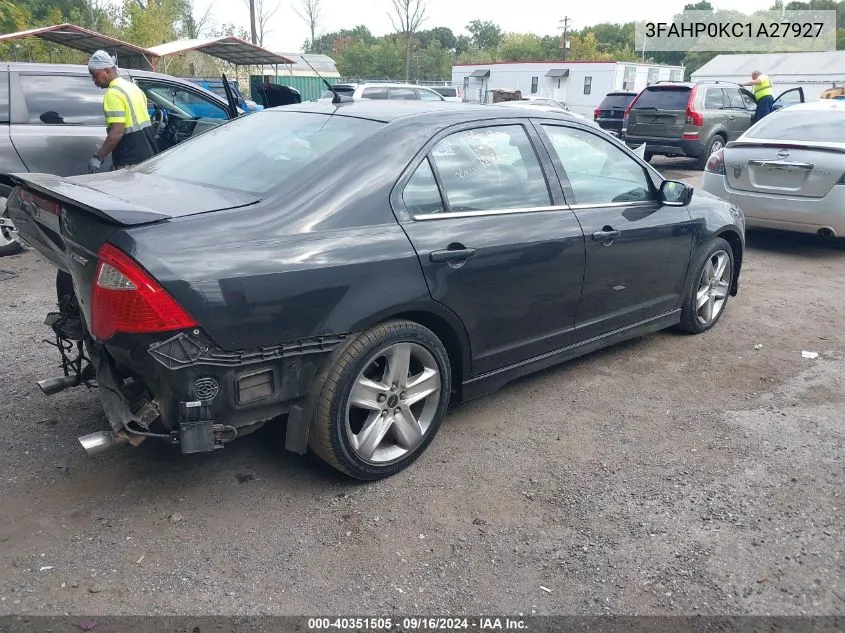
<point x="288" y="31"/>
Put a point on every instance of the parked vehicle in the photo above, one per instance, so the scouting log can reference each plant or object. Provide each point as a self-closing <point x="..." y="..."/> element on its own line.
<point x="358" y="267"/>
<point x="692" y="119"/>
<point x="51" y="121"/>
<point x="449" y="93"/>
<point x="216" y="86"/>
<point x="609" y="113"/>
<point x="788" y="171"/>
<point x="381" y="91"/>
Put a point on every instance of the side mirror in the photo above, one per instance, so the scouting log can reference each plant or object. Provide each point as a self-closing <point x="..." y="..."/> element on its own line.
<point x="674" y="193"/>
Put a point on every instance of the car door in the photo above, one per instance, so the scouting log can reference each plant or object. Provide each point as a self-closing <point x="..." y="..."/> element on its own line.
<point x="740" y="112"/>
<point x="57" y="121"/>
<point x="495" y="245"/>
<point x="637" y="250"/>
<point x="788" y="98"/>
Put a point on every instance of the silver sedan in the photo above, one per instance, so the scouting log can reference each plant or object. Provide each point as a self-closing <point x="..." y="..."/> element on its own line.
<point x="787" y="171"/>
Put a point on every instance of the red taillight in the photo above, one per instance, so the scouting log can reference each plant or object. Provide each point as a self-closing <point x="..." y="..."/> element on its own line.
<point x="45" y="204"/>
<point x="126" y="299"/>
<point x="716" y="162"/>
<point x="596" y="113"/>
<point x="693" y="117"/>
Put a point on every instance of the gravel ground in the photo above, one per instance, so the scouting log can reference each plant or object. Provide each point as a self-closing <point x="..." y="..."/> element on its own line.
<point x="669" y="475"/>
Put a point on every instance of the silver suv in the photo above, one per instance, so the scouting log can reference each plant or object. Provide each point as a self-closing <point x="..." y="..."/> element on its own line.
<point x="378" y="90"/>
<point x="51" y="121"/>
<point x="692" y="119"/>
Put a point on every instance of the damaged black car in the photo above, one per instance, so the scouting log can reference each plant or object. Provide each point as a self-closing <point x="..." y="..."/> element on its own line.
<point x="351" y="269"/>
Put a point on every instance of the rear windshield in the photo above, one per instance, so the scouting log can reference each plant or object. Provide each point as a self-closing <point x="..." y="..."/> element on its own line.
<point x="801" y="125"/>
<point x="256" y="153"/>
<point x="346" y="91"/>
<point x="674" y="98"/>
<point x="447" y="92"/>
<point x="616" y="101"/>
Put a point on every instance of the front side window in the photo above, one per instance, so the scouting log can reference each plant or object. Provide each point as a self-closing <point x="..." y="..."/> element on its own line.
<point x="429" y="95"/>
<point x="598" y="171"/>
<point x="62" y="100"/>
<point x="179" y="100"/>
<point x="588" y="85"/>
<point x="491" y="168"/>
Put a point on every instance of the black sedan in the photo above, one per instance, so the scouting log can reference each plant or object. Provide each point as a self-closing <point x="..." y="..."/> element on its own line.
<point x="352" y="269"/>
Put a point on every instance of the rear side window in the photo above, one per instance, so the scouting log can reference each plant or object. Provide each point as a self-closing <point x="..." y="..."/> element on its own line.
<point x="407" y="94"/>
<point x="736" y="99"/>
<point x="259" y="152"/>
<point x="62" y="100"/>
<point x="421" y="195"/>
<point x="489" y="169"/>
<point x="663" y="99"/>
<point x="447" y="92"/>
<point x="714" y="99"/>
<point x="374" y="93"/>
<point x="618" y="102"/>
<point x="4" y="97"/>
<point x="801" y="125"/>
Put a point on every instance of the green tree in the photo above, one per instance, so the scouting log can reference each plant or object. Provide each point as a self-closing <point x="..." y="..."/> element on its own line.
<point x="485" y="35"/>
<point x="520" y="47"/>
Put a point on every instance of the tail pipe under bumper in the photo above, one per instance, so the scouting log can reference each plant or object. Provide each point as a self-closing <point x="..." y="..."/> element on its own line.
<point x="102" y="442"/>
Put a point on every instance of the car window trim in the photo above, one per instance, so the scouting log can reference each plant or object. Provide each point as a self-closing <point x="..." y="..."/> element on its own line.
<point x="568" y="192"/>
<point x="556" y="195"/>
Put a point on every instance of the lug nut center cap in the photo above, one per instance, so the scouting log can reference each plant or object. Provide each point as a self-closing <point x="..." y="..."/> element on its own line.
<point x="393" y="401"/>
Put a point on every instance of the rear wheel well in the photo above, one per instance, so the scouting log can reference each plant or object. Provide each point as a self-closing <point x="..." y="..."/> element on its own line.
<point x="448" y="337"/>
<point x="736" y="246"/>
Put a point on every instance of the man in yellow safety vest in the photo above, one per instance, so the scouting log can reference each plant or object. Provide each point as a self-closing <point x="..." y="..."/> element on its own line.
<point x="762" y="87"/>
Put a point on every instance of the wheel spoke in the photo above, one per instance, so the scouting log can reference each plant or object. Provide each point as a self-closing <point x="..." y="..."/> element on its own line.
<point x="372" y="434"/>
<point x="709" y="271"/>
<point x="721" y="290"/>
<point x="398" y="365"/>
<point x="422" y="386"/>
<point x="407" y="428"/>
<point x="721" y="265"/>
<point x="365" y="394"/>
<point x="711" y="309"/>
<point x="702" y="297"/>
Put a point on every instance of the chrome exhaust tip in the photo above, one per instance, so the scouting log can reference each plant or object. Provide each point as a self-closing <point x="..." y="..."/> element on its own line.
<point x="102" y="442"/>
<point x="52" y="386"/>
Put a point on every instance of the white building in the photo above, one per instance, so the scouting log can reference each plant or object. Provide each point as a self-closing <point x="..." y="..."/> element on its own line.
<point x="580" y="85"/>
<point x="815" y="72"/>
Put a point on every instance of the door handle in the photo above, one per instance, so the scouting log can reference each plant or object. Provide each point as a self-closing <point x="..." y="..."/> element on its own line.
<point x="451" y="255"/>
<point x="605" y="234"/>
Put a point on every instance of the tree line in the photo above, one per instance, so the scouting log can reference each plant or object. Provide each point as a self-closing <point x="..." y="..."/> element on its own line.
<point x="411" y="52"/>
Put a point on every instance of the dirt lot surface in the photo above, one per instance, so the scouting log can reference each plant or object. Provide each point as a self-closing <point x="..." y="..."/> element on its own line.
<point x="669" y="475"/>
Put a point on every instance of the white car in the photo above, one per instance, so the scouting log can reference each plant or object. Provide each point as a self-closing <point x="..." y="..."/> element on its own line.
<point x="449" y="93"/>
<point x="787" y="171"/>
<point x="379" y="90"/>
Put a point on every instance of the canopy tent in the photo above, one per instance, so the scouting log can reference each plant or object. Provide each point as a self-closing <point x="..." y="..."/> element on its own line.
<point x="228" y="48"/>
<point x="78" y="38"/>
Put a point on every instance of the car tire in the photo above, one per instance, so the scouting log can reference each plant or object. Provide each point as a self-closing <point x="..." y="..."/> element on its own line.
<point x="709" y="289"/>
<point x="377" y="431"/>
<point x="9" y="245"/>
<point x="716" y="142"/>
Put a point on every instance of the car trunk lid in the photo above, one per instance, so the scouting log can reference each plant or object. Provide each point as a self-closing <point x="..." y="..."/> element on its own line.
<point x="659" y="112"/>
<point x="808" y="170"/>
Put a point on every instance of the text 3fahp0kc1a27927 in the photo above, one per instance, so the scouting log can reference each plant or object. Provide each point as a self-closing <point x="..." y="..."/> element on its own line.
<point x="735" y="29"/>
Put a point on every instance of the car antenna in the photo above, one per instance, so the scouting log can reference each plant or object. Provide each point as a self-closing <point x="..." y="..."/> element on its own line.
<point x="337" y="96"/>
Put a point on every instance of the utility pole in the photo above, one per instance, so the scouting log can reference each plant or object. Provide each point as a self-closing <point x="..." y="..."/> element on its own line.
<point x="563" y="43"/>
<point x="252" y="21"/>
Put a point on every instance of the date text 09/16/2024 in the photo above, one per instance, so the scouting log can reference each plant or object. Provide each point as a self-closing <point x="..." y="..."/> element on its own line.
<point x="316" y="625"/>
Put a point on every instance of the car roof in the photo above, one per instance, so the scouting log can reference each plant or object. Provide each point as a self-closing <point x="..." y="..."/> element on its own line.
<point x="387" y="110"/>
<point x="383" y="84"/>
<point x="822" y="105"/>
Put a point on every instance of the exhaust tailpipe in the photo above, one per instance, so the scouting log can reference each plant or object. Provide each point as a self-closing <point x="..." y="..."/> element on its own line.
<point x="102" y="442"/>
<point x="52" y="386"/>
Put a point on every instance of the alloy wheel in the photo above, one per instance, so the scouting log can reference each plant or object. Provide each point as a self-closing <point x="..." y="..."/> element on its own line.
<point x="393" y="403"/>
<point x="713" y="287"/>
